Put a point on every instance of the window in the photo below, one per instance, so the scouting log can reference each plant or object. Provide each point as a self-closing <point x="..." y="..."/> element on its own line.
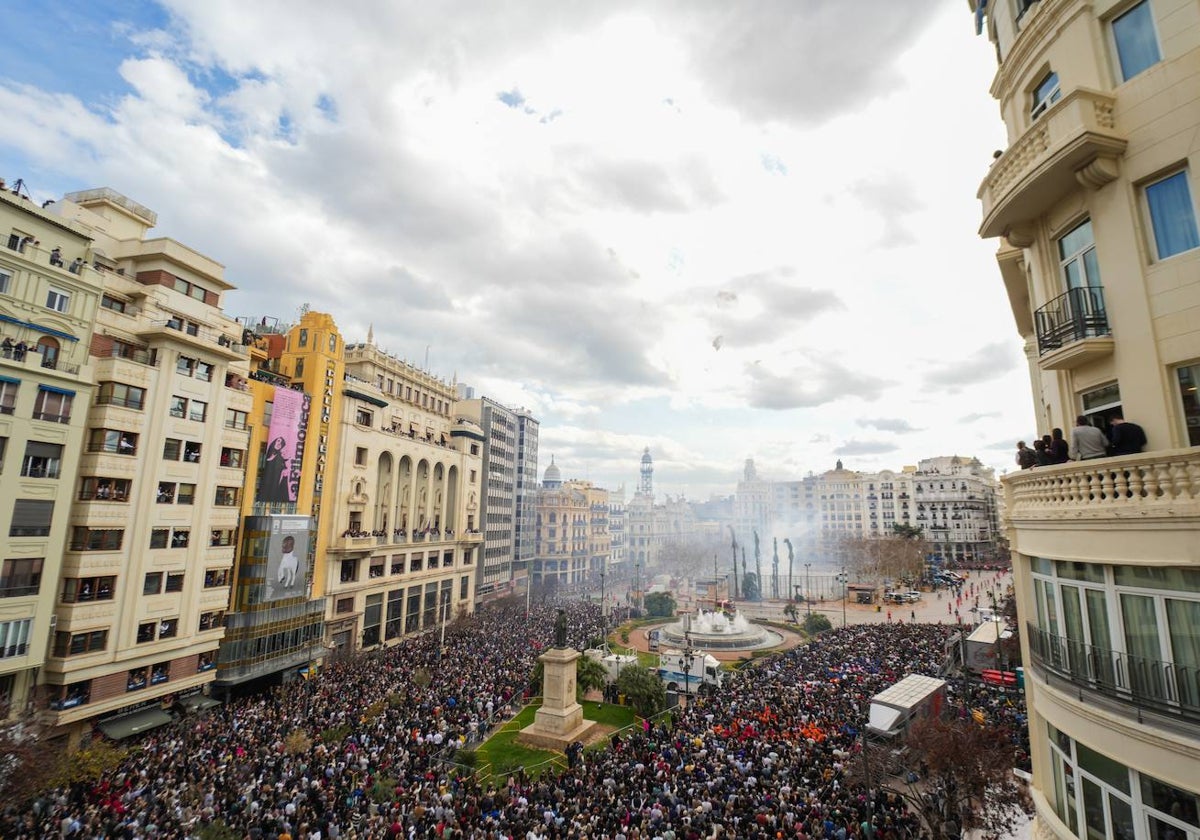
<point x="204" y="371"/>
<point x="363" y="417"/>
<point x="226" y="497"/>
<point x="360" y="456"/>
<point x="73" y="644"/>
<point x="42" y="460"/>
<point x="5" y="282"/>
<point x="191" y="452"/>
<point x="199" y="411"/>
<point x="159" y="537"/>
<point x="14" y="637"/>
<point x="349" y="570"/>
<point x="22" y="576"/>
<point x="211" y="620"/>
<point x="214" y="578"/>
<point x="96" y="539"/>
<point x="1045" y="94"/>
<point x="303" y="338"/>
<point x="180" y="537"/>
<point x="463" y="587"/>
<point x="168" y="628"/>
<point x="235" y="419"/>
<point x="186" y="494"/>
<point x="145" y="632"/>
<point x="58" y="300"/>
<point x="115" y="304"/>
<point x="344" y="605"/>
<point x="118" y="393"/>
<point x="172" y="449"/>
<point x="1172" y="215"/>
<point x="299" y="371"/>
<point x="222" y="537"/>
<point x="152" y="585"/>
<point x="1077" y="256"/>
<point x="185" y="365"/>
<point x="178" y="406"/>
<point x="1189" y="381"/>
<point x="174" y="582"/>
<point x="53" y="404"/>
<point x="232" y="457"/>
<point x="1137" y="45"/>
<point x="31" y="518"/>
<point x="166" y="493"/>
<point x="82" y="590"/>
<point x="8" y="394"/>
<point x="112" y="441"/>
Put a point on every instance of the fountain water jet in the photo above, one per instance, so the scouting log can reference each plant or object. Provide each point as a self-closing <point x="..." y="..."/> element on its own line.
<point x="716" y="630"/>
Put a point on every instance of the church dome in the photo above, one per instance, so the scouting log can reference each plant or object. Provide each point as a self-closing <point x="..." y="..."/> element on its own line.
<point x="553" y="475"/>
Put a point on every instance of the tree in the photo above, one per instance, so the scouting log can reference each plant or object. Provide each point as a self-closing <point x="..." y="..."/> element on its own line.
<point x="954" y="774"/>
<point x="750" y="586"/>
<point x="28" y="764"/>
<point x="815" y="623"/>
<point x="899" y="556"/>
<point x="589" y="675"/>
<point x="660" y="604"/>
<point x="642" y="689"/>
<point x="790" y="611"/>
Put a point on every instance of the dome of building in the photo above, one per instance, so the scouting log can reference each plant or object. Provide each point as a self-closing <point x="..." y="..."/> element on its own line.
<point x="553" y="475"/>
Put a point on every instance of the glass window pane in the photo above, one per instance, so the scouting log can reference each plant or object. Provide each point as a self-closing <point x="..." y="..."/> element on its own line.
<point x="1120" y="817"/>
<point x="1183" y="619"/>
<point x="1172" y="215"/>
<point x="1142" y="645"/>
<point x="1189" y="395"/>
<point x="1170" y="800"/>
<point x="1093" y="809"/>
<point x="1106" y="769"/>
<point x="1137" y="48"/>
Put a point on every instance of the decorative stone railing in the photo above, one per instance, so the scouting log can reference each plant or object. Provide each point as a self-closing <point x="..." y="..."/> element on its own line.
<point x="1152" y="485"/>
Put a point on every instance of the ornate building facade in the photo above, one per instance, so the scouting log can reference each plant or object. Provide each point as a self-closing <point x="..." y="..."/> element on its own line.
<point x="1094" y="204"/>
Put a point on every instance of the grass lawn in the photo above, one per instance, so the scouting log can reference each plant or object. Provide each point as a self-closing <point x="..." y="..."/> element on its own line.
<point x="505" y="755"/>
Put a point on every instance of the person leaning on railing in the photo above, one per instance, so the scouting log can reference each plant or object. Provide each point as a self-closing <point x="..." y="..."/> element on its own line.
<point x="1087" y="442"/>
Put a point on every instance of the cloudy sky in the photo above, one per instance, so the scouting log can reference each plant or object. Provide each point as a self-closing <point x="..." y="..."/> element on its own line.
<point x="720" y="230"/>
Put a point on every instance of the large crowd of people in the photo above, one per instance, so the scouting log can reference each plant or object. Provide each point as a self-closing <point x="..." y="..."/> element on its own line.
<point x="764" y="757"/>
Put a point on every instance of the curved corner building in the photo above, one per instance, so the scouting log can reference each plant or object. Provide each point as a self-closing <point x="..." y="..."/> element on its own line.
<point x="1094" y="204"/>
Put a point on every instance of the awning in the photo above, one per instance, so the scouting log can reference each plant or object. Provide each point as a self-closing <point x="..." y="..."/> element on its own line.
<point x="54" y="390"/>
<point x="10" y="380"/>
<point x="8" y="319"/>
<point x="359" y="395"/>
<point x="198" y="702"/>
<point x="134" y="724"/>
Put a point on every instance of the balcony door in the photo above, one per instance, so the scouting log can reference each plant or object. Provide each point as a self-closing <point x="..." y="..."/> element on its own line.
<point x="1077" y="257"/>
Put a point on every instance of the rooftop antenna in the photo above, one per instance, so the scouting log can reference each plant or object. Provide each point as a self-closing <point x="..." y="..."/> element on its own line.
<point x="21" y="189"/>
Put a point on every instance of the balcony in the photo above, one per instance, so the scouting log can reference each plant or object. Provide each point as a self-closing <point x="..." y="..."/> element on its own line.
<point x="1143" y="684"/>
<point x="1072" y="329"/>
<point x="1073" y="143"/>
<point x="1159" y="488"/>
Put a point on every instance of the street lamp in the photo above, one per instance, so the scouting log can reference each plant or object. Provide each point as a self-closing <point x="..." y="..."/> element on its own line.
<point x="807" y="588"/>
<point x="842" y="578"/>
<point x="687" y="667"/>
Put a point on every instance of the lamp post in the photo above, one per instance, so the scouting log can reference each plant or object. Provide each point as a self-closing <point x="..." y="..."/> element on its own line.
<point x="687" y="667"/>
<point x="807" y="588"/>
<point x="842" y="578"/>
<point x="445" y="616"/>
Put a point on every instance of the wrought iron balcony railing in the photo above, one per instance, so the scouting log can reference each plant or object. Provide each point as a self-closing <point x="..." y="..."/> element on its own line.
<point x="1073" y="316"/>
<point x="1165" y="687"/>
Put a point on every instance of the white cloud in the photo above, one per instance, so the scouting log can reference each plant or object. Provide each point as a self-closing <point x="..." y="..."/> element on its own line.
<point x="591" y="208"/>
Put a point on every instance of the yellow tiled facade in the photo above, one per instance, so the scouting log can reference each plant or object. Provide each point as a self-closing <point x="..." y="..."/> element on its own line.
<point x="1095" y="199"/>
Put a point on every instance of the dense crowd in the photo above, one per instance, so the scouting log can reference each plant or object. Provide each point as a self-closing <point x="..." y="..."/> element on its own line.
<point x="764" y="757"/>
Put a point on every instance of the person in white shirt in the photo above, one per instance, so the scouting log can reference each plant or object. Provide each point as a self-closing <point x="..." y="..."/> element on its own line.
<point x="289" y="563"/>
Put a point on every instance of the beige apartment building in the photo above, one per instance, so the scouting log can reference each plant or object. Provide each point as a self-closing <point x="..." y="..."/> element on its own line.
<point x="1094" y="204"/>
<point x="401" y="514"/>
<point x="48" y="298"/>
<point x="145" y="573"/>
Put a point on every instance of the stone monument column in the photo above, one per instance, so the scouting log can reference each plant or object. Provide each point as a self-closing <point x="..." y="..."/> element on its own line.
<point x="560" y="719"/>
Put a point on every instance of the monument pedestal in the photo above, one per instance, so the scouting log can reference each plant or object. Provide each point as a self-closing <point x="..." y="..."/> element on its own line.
<point x="559" y="721"/>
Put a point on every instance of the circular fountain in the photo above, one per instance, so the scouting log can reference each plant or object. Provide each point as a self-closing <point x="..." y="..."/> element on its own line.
<point x="717" y="630"/>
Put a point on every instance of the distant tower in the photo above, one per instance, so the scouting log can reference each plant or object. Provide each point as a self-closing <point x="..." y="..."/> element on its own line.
<point x="647" y="483"/>
<point x="749" y="472"/>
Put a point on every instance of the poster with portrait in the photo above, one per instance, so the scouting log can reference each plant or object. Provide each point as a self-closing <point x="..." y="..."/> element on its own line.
<point x="279" y="478"/>
<point x="287" y="557"/>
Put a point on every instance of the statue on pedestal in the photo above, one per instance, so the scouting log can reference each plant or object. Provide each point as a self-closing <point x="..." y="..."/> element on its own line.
<point x="560" y="629"/>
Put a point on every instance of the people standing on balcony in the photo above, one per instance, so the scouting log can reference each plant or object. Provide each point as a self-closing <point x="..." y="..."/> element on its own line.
<point x="1026" y="457"/>
<point x="1041" y="453"/>
<point x="1087" y="442"/>
<point x="1060" y="450"/>
<point x="1125" y="438"/>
